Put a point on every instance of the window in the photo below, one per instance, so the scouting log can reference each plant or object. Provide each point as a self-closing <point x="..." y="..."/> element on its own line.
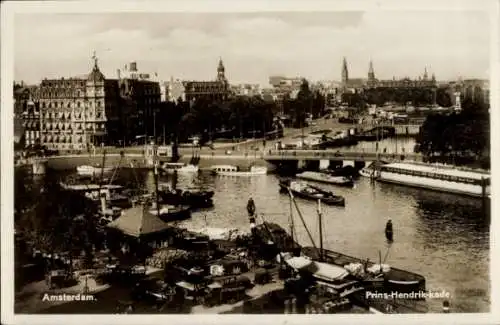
<point x="78" y="104"/>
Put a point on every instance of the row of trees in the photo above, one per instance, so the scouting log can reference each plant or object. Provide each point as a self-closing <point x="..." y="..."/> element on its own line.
<point x="306" y="102"/>
<point x="238" y="117"/>
<point x="54" y="220"/>
<point x="459" y="138"/>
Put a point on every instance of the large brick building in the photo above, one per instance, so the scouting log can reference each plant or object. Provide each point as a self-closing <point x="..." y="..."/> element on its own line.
<point x="82" y="112"/>
<point x="74" y="112"/>
<point x="372" y="82"/>
<point x="214" y="90"/>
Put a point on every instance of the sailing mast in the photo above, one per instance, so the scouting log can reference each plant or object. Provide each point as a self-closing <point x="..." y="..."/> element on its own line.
<point x="100" y="195"/>
<point x="320" y="218"/>
<point x="156" y="182"/>
<point x="291" y="223"/>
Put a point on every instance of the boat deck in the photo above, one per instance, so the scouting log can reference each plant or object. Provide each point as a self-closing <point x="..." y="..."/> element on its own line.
<point x="342" y="259"/>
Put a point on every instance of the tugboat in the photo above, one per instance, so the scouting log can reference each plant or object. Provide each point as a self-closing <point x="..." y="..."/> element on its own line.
<point x="309" y="192"/>
<point x="195" y="199"/>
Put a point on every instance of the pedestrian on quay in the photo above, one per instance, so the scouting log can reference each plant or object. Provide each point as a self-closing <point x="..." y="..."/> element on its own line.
<point x="389" y="231"/>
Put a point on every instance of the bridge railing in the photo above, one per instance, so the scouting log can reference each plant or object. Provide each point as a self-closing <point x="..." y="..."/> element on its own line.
<point x="336" y="154"/>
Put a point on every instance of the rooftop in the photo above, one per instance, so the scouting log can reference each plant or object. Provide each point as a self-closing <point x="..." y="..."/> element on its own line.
<point x="443" y="170"/>
<point x="138" y="221"/>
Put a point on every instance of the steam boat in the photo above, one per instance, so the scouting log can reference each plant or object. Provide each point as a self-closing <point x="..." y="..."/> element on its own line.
<point x="437" y="177"/>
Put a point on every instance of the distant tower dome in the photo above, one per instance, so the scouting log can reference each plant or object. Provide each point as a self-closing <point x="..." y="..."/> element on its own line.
<point x="95" y="74"/>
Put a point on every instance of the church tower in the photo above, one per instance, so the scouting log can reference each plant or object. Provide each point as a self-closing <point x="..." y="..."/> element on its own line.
<point x="371" y="73"/>
<point x="425" y="74"/>
<point x="221" y="72"/>
<point x="345" y="72"/>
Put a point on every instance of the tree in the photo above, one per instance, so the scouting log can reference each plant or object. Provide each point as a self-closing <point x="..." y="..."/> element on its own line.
<point x="458" y="137"/>
<point x="443" y="97"/>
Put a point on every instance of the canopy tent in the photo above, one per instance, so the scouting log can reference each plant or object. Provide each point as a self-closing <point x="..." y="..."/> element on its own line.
<point x="321" y="271"/>
<point x="138" y="221"/>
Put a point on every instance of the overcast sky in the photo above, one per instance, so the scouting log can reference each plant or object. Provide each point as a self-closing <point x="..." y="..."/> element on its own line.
<point x="254" y="46"/>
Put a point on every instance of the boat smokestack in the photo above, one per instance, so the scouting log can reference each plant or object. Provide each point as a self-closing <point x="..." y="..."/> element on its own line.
<point x="103" y="202"/>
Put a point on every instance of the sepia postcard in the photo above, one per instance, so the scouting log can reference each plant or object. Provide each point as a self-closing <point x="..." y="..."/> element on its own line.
<point x="206" y="161"/>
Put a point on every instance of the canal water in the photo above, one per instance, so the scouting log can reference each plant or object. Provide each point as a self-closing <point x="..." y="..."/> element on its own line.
<point x="444" y="237"/>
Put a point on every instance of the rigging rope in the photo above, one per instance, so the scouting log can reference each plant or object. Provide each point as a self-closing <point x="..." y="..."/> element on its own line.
<point x="116" y="168"/>
<point x="302" y="219"/>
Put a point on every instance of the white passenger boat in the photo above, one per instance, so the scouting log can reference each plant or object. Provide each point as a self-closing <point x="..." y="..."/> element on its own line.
<point x="325" y="178"/>
<point x="171" y="168"/>
<point x="437" y="177"/>
<point x="87" y="170"/>
<point x="229" y="170"/>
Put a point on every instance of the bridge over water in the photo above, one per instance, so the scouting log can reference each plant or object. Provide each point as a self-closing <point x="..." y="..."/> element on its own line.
<point x="338" y="155"/>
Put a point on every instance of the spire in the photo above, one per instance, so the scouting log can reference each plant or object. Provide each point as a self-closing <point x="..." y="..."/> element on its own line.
<point x="95" y="75"/>
<point x="425" y="74"/>
<point x="345" y="72"/>
<point x="94" y="57"/>
<point x="371" y="73"/>
<point x="221" y="65"/>
<point x="221" y="71"/>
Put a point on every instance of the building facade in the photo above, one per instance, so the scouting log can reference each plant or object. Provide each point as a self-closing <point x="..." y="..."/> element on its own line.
<point x="372" y="82"/>
<point x="172" y="91"/>
<point x="421" y="82"/>
<point x="140" y="101"/>
<point x="217" y="90"/>
<point x="76" y="114"/>
<point x="249" y="90"/>
<point x="27" y="112"/>
<point x="74" y="111"/>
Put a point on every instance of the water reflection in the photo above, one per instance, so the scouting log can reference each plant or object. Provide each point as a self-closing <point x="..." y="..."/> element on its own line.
<point x="443" y="237"/>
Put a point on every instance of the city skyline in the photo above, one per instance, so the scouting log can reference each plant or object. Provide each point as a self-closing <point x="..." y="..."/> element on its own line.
<point x="255" y="46"/>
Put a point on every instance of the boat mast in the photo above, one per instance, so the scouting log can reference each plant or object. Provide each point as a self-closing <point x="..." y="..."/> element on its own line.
<point x="291" y="223"/>
<point x="101" y="181"/>
<point x="102" y="169"/>
<point x="320" y="219"/>
<point x="156" y="182"/>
